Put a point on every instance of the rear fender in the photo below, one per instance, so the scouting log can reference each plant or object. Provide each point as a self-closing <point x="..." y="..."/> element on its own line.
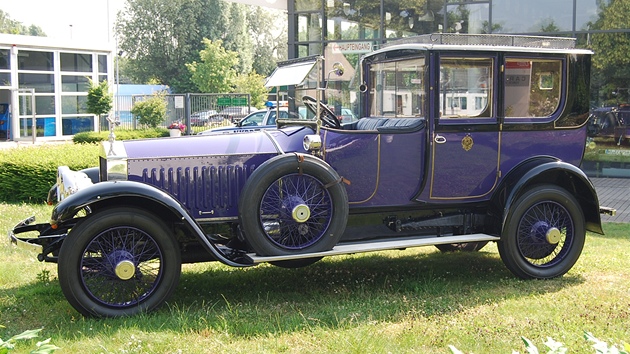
<point x="151" y="198"/>
<point x="547" y="170"/>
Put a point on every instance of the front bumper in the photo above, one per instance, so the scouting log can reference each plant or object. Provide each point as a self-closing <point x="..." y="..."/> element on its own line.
<point x="45" y="245"/>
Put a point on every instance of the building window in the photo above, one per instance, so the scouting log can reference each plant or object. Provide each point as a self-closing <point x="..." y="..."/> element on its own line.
<point x="44" y="126"/>
<point x="308" y="5"/>
<point x="309" y="27"/>
<point x="34" y="60"/>
<point x="534" y="16"/>
<point x="349" y="19"/>
<point x="74" y="125"/>
<point x="74" y="83"/>
<point x="39" y="82"/>
<point x="5" y="59"/>
<point x="44" y="104"/>
<point x="469" y="18"/>
<point x="74" y="105"/>
<point x="76" y="62"/>
<point x="102" y="63"/>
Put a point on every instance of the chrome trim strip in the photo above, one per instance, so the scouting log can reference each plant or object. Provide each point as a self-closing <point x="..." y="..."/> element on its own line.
<point x="25" y="245"/>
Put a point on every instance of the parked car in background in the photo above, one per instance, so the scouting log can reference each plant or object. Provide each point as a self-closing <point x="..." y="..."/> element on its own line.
<point x="204" y="118"/>
<point x="409" y="173"/>
<point x="346" y="116"/>
<point x="610" y="122"/>
<point x="262" y="119"/>
<point x="236" y="113"/>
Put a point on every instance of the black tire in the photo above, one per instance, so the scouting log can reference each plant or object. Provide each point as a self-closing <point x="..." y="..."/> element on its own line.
<point x="296" y="263"/>
<point x="544" y="235"/>
<point x="118" y="262"/>
<point x="274" y="197"/>
<point x="462" y="247"/>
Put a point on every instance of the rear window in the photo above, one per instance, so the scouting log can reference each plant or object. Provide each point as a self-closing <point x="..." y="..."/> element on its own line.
<point x="532" y="87"/>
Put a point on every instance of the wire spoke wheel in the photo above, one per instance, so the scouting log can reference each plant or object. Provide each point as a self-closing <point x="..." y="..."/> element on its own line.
<point x="293" y="205"/>
<point x="119" y="262"/>
<point x="121" y="266"/>
<point x="545" y="233"/>
<point x="278" y="207"/>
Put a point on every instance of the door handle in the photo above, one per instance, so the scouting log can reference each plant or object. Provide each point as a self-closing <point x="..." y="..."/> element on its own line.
<point x="439" y="139"/>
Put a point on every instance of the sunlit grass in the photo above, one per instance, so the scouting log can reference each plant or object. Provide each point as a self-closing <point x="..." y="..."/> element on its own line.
<point x="413" y="301"/>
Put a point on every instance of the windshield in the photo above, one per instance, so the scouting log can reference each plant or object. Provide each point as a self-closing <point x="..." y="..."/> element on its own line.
<point x="397" y="88"/>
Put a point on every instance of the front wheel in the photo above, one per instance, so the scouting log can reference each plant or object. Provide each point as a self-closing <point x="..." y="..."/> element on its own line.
<point x="118" y="262"/>
<point x="544" y="235"/>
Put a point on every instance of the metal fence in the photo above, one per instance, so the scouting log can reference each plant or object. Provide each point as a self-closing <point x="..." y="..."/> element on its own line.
<point x="197" y="111"/>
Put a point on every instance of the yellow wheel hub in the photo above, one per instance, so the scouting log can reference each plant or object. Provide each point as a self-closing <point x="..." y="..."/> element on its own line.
<point x="125" y="270"/>
<point x="553" y="236"/>
<point x="301" y="213"/>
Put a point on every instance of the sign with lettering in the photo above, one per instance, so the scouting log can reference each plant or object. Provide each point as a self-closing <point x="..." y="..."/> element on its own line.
<point x="351" y="47"/>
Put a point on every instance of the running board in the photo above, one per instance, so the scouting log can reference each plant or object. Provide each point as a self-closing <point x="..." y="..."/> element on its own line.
<point x="378" y="245"/>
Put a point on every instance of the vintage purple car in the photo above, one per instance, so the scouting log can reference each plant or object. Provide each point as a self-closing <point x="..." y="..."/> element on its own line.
<point x="464" y="139"/>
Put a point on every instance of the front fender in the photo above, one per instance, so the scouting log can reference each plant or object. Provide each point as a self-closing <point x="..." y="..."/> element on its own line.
<point x="113" y="190"/>
<point x="549" y="171"/>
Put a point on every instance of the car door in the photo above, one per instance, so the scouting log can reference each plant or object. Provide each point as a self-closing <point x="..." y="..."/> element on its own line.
<point x="464" y="156"/>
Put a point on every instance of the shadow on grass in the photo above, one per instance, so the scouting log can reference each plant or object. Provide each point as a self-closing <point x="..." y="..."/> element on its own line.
<point x="336" y="292"/>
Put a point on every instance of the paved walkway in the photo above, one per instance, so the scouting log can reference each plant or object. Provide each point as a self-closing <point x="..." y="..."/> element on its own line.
<point x="614" y="193"/>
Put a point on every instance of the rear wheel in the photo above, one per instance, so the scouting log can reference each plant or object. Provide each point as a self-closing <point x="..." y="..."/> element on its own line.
<point x="118" y="262"/>
<point x="293" y="204"/>
<point x="544" y="235"/>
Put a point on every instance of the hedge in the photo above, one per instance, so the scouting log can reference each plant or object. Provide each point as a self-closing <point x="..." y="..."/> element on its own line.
<point x="94" y="137"/>
<point x="27" y="173"/>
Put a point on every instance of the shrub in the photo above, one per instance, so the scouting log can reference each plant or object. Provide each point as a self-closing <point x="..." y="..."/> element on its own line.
<point x="99" y="99"/>
<point x="95" y="137"/>
<point x="151" y="111"/>
<point x="27" y="173"/>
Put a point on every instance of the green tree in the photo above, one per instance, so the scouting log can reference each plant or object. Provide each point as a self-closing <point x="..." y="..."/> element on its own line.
<point x="237" y="38"/>
<point x="159" y="37"/>
<point x="611" y="60"/>
<point x="99" y="99"/>
<point x="215" y="73"/>
<point x="254" y="85"/>
<point x="269" y="41"/>
<point x="7" y="25"/>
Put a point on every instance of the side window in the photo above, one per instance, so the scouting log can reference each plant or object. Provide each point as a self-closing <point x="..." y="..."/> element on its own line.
<point x="272" y="118"/>
<point x="466" y="87"/>
<point x="397" y="88"/>
<point x="532" y="87"/>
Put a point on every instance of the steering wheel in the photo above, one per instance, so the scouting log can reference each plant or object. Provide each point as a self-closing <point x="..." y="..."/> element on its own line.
<point x="328" y="117"/>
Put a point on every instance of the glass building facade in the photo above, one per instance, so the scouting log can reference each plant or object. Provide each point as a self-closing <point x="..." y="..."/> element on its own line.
<point x="345" y="29"/>
<point x="53" y="80"/>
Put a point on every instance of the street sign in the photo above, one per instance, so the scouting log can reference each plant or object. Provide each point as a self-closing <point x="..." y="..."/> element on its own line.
<point x="224" y="101"/>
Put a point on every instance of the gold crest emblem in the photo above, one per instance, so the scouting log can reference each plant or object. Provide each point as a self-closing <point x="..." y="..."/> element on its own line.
<point x="467" y="143"/>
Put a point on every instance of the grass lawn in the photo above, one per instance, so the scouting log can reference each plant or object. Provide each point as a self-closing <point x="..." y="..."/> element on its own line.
<point x="412" y="301"/>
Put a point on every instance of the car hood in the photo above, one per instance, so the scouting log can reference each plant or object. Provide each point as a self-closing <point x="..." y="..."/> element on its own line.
<point x="230" y="130"/>
<point x="258" y="142"/>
